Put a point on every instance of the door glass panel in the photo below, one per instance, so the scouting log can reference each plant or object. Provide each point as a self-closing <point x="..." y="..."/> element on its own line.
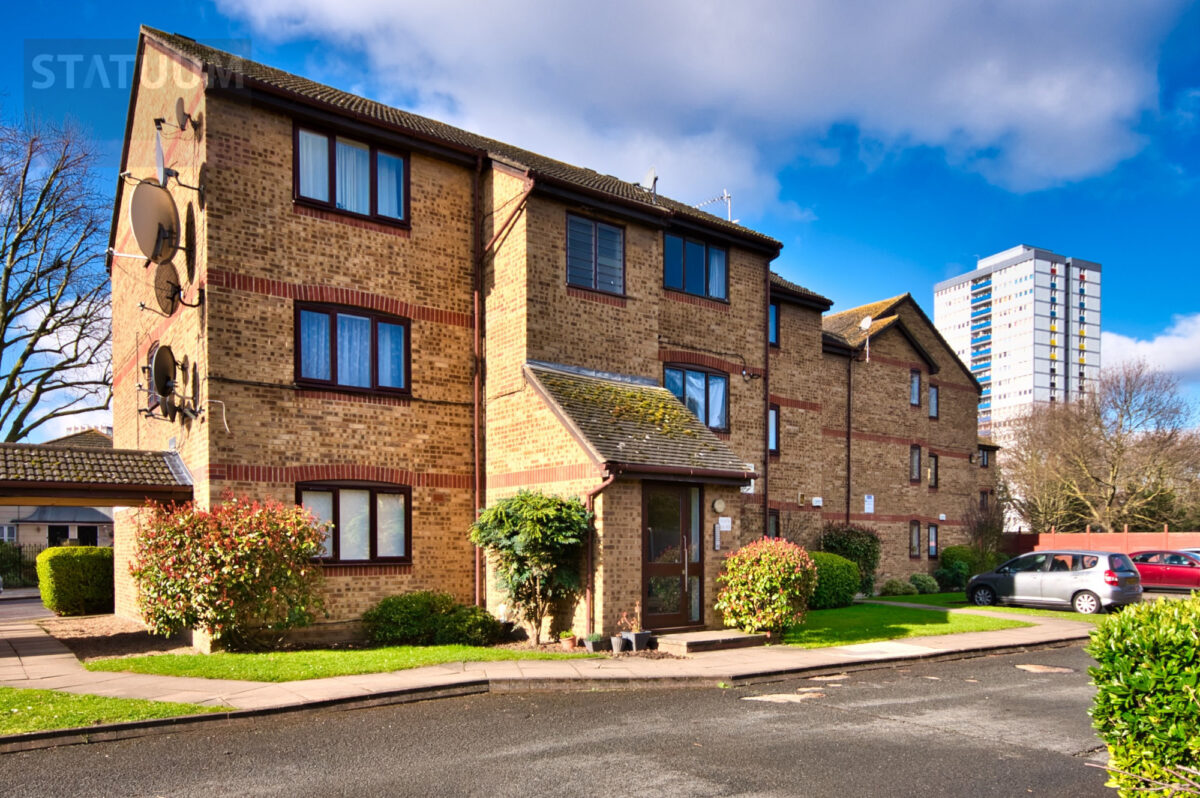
<point x="663" y="527"/>
<point x="694" y="598"/>
<point x="354" y="525"/>
<point x="694" y="543"/>
<point x="664" y="595"/>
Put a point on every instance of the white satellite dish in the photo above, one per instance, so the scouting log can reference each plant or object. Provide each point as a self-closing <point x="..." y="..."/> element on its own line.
<point x="650" y="181"/>
<point x="865" y="325"/>
<point x="154" y="220"/>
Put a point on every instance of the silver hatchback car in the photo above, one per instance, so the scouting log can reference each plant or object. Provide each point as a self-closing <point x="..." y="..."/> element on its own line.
<point x="1088" y="581"/>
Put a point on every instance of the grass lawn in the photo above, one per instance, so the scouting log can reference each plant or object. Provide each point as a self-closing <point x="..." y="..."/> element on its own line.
<point x="959" y="600"/>
<point x="290" y="666"/>
<point x="870" y="623"/>
<point x="24" y="710"/>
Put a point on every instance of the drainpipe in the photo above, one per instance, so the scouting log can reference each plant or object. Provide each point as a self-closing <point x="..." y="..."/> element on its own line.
<point x="766" y="517"/>
<point x="849" y="395"/>
<point x="477" y="348"/>
<point x="589" y="589"/>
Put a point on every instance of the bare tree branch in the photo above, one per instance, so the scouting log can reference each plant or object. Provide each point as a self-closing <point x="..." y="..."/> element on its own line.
<point x="55" y="310"/>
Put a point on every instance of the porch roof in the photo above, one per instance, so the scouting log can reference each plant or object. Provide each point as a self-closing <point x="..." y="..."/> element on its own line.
<point x="52" y="474"/>
<point x="631" y="425"/>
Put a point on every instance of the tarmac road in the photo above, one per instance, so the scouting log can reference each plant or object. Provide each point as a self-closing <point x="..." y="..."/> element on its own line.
<point x="977" y="727"/>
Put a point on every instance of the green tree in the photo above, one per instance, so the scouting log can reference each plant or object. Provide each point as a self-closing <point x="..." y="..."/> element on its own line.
<point x="535" y="542"/>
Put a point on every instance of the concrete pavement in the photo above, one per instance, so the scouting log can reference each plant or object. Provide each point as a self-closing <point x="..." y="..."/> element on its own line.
<point x="31" y="658"/>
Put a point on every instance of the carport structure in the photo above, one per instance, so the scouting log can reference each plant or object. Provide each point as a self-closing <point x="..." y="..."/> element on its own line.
<point x="51" y="475"/>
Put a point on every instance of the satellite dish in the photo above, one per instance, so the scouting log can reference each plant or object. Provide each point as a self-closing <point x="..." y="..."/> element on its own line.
<point x="866" y="323"/>
<point x="160" y="160"/>
<point x="182" y="117"/>
<point x="155" y="221"/>
<point x="167" y="289"/>
<point x="189" y="241"/>
<point x="650" y="181"/>
<point x="162" y="380"/>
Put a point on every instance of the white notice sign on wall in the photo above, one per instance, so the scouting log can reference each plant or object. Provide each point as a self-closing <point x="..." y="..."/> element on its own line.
<point x="869" y="503"/>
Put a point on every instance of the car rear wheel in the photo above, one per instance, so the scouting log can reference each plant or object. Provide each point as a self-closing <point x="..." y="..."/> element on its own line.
<point x="983" y="596"/>
<point x="1086" y="603"/>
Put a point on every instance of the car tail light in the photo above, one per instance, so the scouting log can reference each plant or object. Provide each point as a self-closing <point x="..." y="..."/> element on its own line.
<point x="1111" y="578"/>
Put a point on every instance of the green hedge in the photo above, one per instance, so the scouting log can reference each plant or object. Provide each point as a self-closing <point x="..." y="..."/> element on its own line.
<point x="897" y="587"/>
<point x="76" y="580"/>
<point x="1147" y="705"/>
<point x="924" y="583"/>
<point x="427" y="618"/>
<point x="858" y="544"/>
<point x="837" y="581"/>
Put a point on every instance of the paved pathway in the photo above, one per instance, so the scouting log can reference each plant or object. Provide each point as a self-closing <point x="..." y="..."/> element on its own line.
<point x="29" y="657"/>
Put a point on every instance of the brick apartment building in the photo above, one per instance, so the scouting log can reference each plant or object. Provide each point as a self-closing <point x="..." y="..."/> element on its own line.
<point x="402" y="322"/>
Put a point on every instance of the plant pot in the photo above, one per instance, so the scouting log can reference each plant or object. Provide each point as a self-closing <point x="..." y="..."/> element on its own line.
<point x="637" y="640"/>
<point x="596" y="645"/>
<point x="567" y="643"/>
<point x="618" y="643"/>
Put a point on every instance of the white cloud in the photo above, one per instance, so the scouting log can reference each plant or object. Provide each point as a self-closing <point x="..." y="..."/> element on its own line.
<point x="1028" y="94"/>
<point x="1175" y="350"/>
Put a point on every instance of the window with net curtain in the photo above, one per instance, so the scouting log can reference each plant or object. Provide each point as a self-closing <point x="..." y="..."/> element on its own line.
<point x="367" y="522"/>
<point x="351" y="349"/>
<point x="705" y="393"/>
<point x="356" y="168"/>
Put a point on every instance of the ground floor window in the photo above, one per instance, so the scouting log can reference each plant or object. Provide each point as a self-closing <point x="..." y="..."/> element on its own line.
<point x="914" y="539"/>
<point x="772" y="523"/>
<point x="370" y="522"/>
<point x="933" y="541"/>
<point x="8" y="533"/>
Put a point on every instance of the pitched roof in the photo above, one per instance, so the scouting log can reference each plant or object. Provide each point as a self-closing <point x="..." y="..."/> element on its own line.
<point x="631" y="425"/>
<point x="314" y="93"/>
<point x="24" y="462"/>
<point x="52" y="514"/>
<point x="845" y="324"/>
<point x="789" y="291"/>
<point x="86" y="439"/>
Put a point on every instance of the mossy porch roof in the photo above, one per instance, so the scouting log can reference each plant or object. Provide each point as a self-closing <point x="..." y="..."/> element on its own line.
<point x="627" y="422"/>
<point x="62" y="464"/>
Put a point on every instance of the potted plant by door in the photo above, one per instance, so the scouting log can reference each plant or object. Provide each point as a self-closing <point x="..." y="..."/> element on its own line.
<point x="631" y="628"/>
<point x="594" y="642"/>
<point x="566" y="639"/>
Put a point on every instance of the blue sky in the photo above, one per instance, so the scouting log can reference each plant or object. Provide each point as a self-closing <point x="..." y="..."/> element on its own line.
<point x="886" y="143"/>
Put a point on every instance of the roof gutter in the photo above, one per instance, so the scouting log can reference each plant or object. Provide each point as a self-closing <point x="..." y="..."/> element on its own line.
<point x="714" y="475"/>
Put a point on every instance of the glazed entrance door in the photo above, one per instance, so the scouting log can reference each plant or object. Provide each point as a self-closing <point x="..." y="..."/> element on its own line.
<point x="672" y="556"/>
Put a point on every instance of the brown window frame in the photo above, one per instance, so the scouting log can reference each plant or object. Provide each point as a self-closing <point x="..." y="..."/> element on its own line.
<point x="935" y="401"/>
<point x="984" y="458"/>
<point x="773" y="313"/>
<point x="914" y="388"/>
<point x="933" y="471"/>
<point x="984" y="499"/>
<point x="686" y="367"/>
<point x="774" y="412"/>
<point x="773" y="518"/>
<point x="375" y="488"/>
<point x="914" y="466"/>
<point x="684" y="270"/>
<point x="330" y="205"/>
<point x="931" y="541"/>
<point x="914" y="542"/>
<point x="375" y="318"/>
<point x="595" y="253"/>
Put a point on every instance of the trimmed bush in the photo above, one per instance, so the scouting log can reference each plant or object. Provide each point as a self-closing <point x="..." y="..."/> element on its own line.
<point x="1147" y="705"/>
<point x="976" y="562"/>
<point x="242" y="572"/>
<point x="535" y="543"/>
<point x="953" y="577"/>
<point x="858" y="544"/>
<point x="837" y="581"/>
<point x="766" y="586"/>
<point x="897" y="587"/>
<point x="76" y="580"/>
<point x="426" y="618"/>
<point x="924" y="583"/>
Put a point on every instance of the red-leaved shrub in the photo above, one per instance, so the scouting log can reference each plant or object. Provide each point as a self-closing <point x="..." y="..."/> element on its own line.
<point x="766" y="585"/>
<point x="243" y="571"/>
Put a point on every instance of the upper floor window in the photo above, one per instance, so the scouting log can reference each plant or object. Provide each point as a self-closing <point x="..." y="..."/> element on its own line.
<point x="350" y="348"/>
<point x="773" y="324"/>
<point x="595" y="255"/>
<point x="985" y="456"/>
<point x="914" y="388"/>
<point x="695" y="267"/>
<point x="370" y="522"/>
<point x="706" y="393"/>
<point x="351" y="176"/>
<point x="933" y="470"/>
<point x="773" y="429"/>
<point x="914" y="463"/>
<point x="933" y="401"/>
